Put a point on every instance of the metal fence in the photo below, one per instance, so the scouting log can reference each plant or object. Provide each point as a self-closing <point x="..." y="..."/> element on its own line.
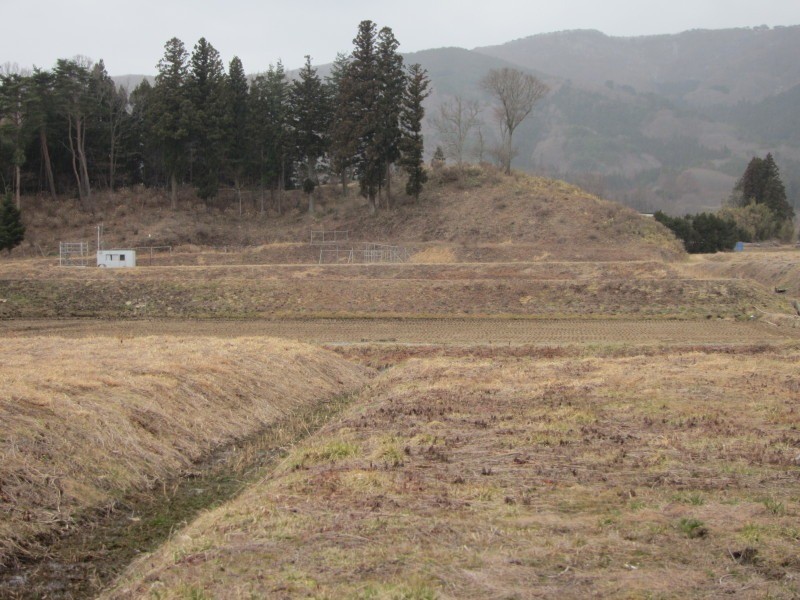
<point x="384" y="253"/>
<point x="150" y="251"/>
<point x="336" y="254"/>
<point x="322" y="237"/>
<point x="73" y="254"/>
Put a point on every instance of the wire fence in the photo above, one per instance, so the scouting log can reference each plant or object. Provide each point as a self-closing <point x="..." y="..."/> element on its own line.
<point x="322" y="237"/>
<point x="150" y="252"/>
<point x="73" y="254"/>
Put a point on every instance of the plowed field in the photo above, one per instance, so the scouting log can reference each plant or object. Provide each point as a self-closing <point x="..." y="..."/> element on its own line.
<point x="427" y="331"/>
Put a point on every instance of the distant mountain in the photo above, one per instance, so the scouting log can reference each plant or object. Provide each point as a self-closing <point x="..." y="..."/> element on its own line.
<point x="698" y="67"/>
<point x="661" y="122"/>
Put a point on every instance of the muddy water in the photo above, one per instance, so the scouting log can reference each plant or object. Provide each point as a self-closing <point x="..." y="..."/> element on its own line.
<point x="85" y="557"/>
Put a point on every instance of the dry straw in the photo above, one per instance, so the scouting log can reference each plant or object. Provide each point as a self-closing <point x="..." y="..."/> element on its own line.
<point x="82" y="422"/>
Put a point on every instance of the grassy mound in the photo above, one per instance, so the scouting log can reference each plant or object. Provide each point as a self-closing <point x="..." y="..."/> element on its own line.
<point x="82" y="422"/>
<point x="517" y="217"/>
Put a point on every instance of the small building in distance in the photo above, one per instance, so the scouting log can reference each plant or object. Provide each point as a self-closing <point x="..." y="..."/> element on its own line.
<point x="116" y="258"/>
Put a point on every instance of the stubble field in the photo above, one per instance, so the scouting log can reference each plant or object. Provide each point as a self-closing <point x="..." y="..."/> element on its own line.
<point x="513" y="430"/>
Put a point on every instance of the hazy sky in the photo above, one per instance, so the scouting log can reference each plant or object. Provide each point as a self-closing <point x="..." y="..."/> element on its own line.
<point x="130" y="35"/>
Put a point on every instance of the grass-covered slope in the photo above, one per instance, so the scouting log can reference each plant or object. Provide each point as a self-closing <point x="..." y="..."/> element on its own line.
<point x="83" y="422"/>
<point x="479" y="206"/>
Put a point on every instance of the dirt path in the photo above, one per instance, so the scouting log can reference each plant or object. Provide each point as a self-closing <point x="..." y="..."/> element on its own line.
<point x="426" y="331"/>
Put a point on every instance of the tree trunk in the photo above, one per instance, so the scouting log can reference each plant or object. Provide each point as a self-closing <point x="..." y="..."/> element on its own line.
<point x="112" y="162"/>
<point x="74" y="157"/>
<point x="312" y="175"/>
<point x="48" y="167"/>
<point x="281" y="186"/>
<point x="372" y="204"/>
<point x="509" y="150"/>
<point x="238" y="192"/>
<point x="80" y="136"/>
<point x="263" y="198"/>
<point x="388" y="186"/>
<point x="344" y="182"/>
<point x="17" y="186"/>
<point x="173" y="192"/>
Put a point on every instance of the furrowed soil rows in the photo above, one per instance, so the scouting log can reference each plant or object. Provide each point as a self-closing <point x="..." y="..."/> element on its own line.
<point x="426" y="331"/>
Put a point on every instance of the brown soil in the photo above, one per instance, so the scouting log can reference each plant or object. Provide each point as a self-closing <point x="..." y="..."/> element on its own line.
<point x="492" y="333"/>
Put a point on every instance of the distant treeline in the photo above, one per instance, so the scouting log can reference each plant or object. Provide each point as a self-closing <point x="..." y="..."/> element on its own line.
<point x="71" y="130"/>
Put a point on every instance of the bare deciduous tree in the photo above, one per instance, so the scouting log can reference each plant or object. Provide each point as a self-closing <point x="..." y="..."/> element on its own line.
<point x="454" y="124"/>
<point x="517" y="94"/>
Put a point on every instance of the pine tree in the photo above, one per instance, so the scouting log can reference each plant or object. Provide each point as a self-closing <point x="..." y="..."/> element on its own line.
<point x="364" y="95"/>
<point x="310" y="122"/>
<point x="109" y="120"/>
<point x="13" y="123"/>
<point x="343" y="129"/>
<point x="392" y="84"/>
<point x="12" y="231"/>
<point x="761" y="184"/>
<point x="411" y="143"/>
<point x="41" y="114"/>
<point x="775" y="192"/>
<point x="72" y="88"/>
<point x="142" y="153"/>
<point x="206" y="92"/>
<point x="270" y="132"/>
<point x="170" y="113"/>
<point x="238" y="121"/>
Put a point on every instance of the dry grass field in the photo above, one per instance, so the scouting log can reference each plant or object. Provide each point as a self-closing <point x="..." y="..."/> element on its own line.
<point x="666" y="476"/>
<point x="648" y="289"/>
<point x="85" y="421"/>
<point x="549" y="399"/>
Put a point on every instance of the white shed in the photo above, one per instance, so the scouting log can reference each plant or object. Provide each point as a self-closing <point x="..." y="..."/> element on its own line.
<point x="116" y="258"/>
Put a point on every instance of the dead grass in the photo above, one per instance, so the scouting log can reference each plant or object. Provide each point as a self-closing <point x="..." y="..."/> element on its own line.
<point x="665" y="476"/>
<point x="773" y="268"/>
<point x="434" y="255"/>
<point x="640" y="289"/>
<point x="479" y="207"/>
<point x="83" y="422"/>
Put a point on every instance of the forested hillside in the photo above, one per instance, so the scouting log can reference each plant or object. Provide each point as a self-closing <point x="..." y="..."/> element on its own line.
<point x="662" y="122"/>
<point x="72" y="131"/>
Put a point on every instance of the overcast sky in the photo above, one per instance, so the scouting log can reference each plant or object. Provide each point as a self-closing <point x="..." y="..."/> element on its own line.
<point x="130" y="35"/>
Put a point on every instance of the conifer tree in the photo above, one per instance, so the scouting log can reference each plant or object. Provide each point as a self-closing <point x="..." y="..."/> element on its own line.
<point x="12" y="231"/>
<point x="269" y="128"/>
<point x="310" y="123"/>
<point x="74" y="104"/>
<point x="761" y="184"/>
<point x="343" y="129"/>
<point x="13" y="123"/>
<point x="238" y="121"/>
<point x="411" y="142"/>
<point x="170" y="113"/>
<point x="41" y="113"/>
<point x="141" y="156"/>
<point x="108" y="122"/>
<point x="206" y="92"/>
<point x="392" y="82"/>
<point x="364" y="96"/>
